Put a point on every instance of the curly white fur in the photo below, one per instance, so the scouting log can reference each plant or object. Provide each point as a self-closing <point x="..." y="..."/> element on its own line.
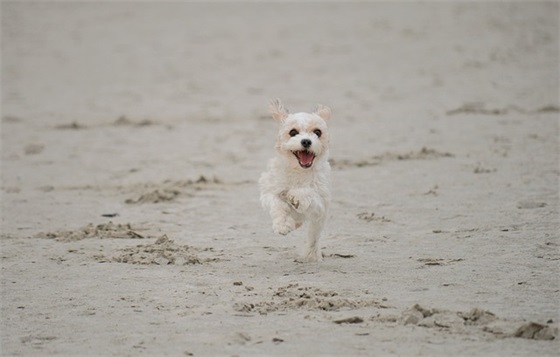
<point x="295" y="188"/>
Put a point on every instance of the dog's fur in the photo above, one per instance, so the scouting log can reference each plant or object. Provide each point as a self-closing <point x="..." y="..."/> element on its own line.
<point x="295" y="188"/>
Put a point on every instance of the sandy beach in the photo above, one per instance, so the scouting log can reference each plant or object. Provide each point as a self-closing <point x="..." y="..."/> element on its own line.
<point x="133" y="135"/>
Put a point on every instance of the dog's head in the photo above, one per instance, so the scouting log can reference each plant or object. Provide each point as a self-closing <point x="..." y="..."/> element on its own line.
<point x="303" y="137"/>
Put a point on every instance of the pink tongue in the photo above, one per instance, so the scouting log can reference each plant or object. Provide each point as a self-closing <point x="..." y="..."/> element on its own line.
<point x="305" y="157"/>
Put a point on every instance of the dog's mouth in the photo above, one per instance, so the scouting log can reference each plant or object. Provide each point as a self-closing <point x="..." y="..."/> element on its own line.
<point x="305" y="158"/>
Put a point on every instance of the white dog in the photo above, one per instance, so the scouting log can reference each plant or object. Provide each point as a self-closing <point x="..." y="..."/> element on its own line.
<point x="295" y="188"/>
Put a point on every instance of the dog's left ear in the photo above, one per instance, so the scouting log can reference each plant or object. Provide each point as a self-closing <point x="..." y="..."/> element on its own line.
<point x="322" y="111"/>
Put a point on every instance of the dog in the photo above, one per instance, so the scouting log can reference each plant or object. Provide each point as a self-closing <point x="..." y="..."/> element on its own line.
<point x="296" y="186"/>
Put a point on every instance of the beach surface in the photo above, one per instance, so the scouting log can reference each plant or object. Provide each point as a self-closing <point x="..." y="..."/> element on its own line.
<point x="133" y="136"/>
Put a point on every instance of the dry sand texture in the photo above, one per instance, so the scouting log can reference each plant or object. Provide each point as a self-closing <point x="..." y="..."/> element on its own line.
<point x="133" y="135"/>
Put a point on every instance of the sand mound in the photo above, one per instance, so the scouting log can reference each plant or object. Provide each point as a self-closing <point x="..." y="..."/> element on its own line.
<point x="480" y="108"/>
<point x="295" y="297"/>
<point x="156" y="196"/>
<point x="170" y="190"/>
<point x="477" y="319"/>
<point x="100" y="231"/>
<point x="163" y="252"/>
<point x="422" y="154"/>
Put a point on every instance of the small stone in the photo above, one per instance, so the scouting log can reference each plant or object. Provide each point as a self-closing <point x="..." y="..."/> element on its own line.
<point x="349" y="320"/>
<point x="161" y="261"/>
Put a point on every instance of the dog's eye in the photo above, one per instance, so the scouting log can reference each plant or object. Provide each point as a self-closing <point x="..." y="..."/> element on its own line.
<point x="293" y="132"/>
<point x="317" y="132"/>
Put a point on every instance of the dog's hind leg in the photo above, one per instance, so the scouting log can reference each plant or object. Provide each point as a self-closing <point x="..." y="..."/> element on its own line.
<point x="312" y="250"/>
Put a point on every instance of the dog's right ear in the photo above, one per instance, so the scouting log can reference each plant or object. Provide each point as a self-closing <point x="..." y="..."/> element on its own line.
<point x="322" y="111"/>
<point x="277" y="109"/>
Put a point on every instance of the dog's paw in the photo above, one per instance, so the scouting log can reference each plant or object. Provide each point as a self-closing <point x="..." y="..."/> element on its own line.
<point x="283" y="226"/>
<point x="293" y="201"/>
<point x="297" y="201"/>
<point x="312" y="256"/>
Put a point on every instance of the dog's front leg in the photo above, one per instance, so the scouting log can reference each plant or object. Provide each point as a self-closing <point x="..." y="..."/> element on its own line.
<point x="305" y="201"/>
<point x="282" y="220"/>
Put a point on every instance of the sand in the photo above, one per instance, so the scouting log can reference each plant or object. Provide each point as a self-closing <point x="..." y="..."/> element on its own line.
<point x="133" y="136"/>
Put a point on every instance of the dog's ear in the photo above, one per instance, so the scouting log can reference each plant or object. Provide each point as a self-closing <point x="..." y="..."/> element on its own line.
<point x="322" y="111"/>
<point x="277" y="109"/>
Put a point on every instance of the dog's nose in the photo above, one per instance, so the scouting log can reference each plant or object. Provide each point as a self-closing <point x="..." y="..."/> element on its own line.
<point x="306" y="143"/>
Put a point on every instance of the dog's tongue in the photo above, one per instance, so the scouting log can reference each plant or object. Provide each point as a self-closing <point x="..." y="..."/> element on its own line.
<point x="305" y="158"/>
